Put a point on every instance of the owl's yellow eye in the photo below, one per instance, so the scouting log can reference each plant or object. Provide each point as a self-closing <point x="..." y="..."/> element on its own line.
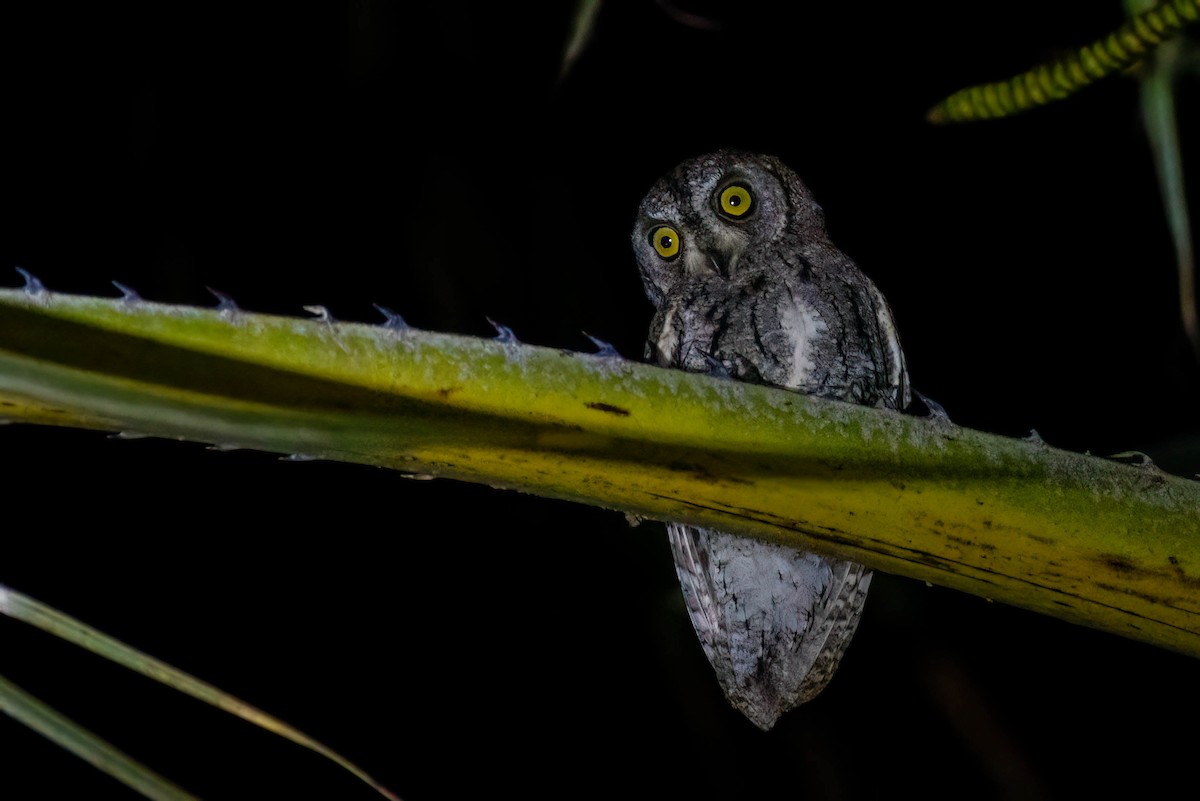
<point x="735" y="201"/>
<point x="665" y="241"/>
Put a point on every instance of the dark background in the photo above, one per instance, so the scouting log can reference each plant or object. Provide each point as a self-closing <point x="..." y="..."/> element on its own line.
<point x="456" y="640"/>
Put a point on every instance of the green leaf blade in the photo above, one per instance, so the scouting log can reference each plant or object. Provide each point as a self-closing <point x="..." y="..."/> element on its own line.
<point x="24" y="708"/>
<point x="28" y="710"/>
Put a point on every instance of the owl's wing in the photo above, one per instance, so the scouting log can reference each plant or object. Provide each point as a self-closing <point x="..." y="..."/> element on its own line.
<point x="773" y="621"/>
<point x="837" y="618"/>
<point x="847" y="348"/>
<point x="698" y="581"/>
<point x="895" y="372"/>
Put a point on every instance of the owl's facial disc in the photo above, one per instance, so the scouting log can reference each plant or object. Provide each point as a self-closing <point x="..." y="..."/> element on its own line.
<point x="700" y="222"/>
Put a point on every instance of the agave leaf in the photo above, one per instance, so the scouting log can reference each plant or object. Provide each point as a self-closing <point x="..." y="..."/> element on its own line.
<point x="1094" y="541"/>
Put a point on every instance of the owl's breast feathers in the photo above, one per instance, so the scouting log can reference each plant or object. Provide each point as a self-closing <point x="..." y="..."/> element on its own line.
<point x="684" y="332"/>
<point x="833" y="339"/>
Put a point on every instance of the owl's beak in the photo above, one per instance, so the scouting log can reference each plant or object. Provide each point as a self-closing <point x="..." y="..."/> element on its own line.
<point x="723" y="264"/>
<point x="705" y="260"/>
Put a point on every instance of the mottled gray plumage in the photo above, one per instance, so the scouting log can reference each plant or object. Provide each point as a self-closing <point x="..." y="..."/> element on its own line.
<point x="735" y="258"/>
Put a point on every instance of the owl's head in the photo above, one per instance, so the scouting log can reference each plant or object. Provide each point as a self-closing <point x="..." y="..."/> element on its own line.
<point x="717" y="213"/>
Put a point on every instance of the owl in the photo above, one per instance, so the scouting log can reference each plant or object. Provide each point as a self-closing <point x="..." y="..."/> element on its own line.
<point x="734" y="255"/>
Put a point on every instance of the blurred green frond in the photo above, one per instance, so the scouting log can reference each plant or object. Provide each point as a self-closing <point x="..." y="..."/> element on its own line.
<point x="582" y="26"/>
<point x="1158" y="92"/>
<point x="24" y="708"/>
<point x="1065" y="76"/>
<point x="99" y="753"/>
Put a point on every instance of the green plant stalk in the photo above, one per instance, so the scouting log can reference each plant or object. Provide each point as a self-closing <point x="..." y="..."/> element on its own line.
<point x="1085" y="539"/>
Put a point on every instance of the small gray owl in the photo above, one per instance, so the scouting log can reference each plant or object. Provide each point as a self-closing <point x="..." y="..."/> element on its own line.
<point x="735" y="258"/>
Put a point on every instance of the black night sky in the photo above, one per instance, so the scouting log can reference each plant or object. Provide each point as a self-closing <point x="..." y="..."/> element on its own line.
<point x="456" y="640"/>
